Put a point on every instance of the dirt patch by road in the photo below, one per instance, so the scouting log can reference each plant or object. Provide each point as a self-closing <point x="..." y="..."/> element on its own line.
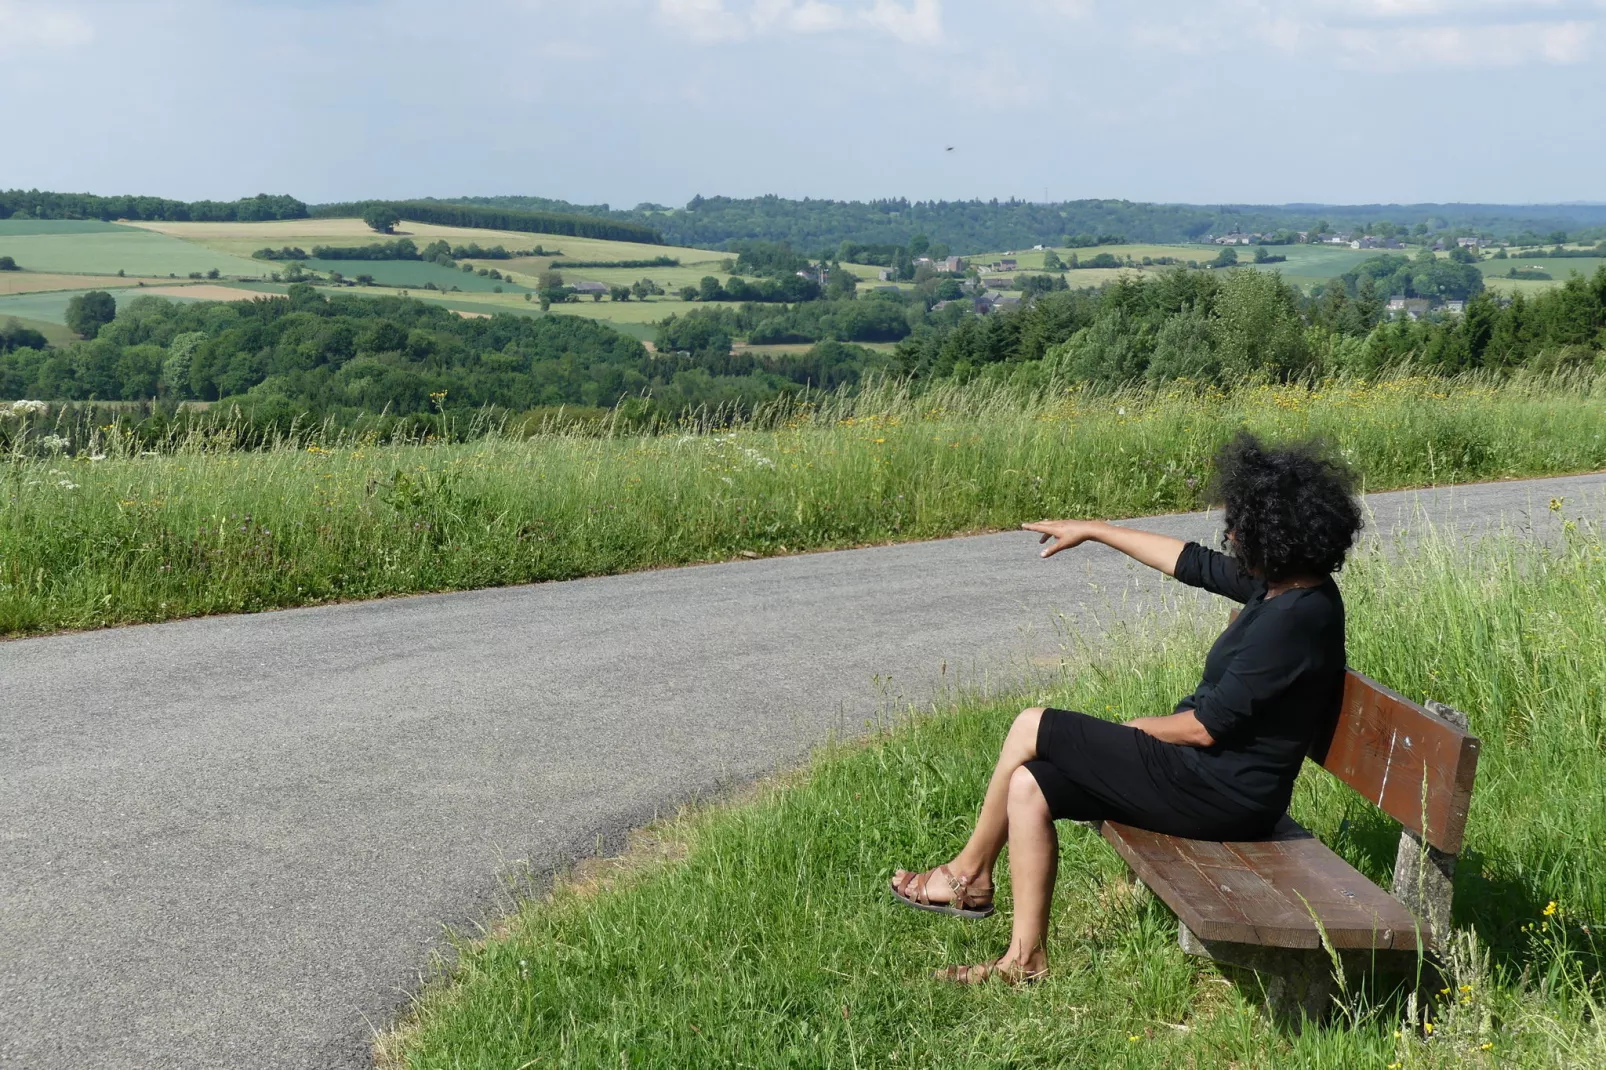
<point x="27" y="282"/>
<point x="207" y="292"/>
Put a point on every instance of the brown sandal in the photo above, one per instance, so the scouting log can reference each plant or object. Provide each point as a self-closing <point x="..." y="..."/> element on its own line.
<point x="991" y="971"/>
<point x="964" y="903"/>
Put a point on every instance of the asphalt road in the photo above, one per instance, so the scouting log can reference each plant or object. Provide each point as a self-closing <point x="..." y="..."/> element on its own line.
<point x="233" y="842"/>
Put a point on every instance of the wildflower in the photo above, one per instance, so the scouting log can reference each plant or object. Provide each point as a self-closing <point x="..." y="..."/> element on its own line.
<point x="29" y="408"/>
<point x="1134" y="1038"/>
<point x="1427" y="1027"/>
<point x="1550" y="909"/>
<point x="1486" y="1046"/>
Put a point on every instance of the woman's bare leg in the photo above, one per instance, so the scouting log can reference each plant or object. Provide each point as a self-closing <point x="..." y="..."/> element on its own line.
<point x="1033" y="863"/>
<point x="992" y="826"/>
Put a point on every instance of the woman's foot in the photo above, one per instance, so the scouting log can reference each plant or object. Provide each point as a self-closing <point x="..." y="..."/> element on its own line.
<point x="947" y="889"/>
<point x="1010" y="969"/>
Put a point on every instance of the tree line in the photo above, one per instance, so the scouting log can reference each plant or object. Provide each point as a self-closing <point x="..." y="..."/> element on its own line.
<point x="978" y="226"/>
<point x="40" y="204"/>
<point x="345" y="358"/>
<point x="496" y="218"/>
<point x="1222" y="326"/>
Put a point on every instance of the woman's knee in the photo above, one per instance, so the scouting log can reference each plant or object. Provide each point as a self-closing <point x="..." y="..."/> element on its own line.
<point x="1024" y="730"/>
<point x="1025" y="794"/>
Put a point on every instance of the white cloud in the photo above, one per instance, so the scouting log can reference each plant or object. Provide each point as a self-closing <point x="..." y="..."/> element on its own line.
<point x="1509" y="45"/>
<point x="26" y="25"/>
<point x="712" y="22"/>
<point x="1389" y="34"/>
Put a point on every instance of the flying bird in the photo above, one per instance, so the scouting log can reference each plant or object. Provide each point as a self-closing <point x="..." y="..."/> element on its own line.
<point x="950" y="148"/>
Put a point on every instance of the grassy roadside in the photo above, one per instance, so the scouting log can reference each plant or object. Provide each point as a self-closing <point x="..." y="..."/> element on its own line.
<point x="114" y="537"/>
<point x="768" y="939"/>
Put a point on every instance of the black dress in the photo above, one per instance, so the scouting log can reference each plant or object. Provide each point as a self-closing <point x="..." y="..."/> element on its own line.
<point x="1272" y="680"/>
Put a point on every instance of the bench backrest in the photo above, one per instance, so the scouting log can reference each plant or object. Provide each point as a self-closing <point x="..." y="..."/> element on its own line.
<point x="1416" y="767"/>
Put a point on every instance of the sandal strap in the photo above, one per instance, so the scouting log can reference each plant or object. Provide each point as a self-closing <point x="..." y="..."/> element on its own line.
<point x="959" y="887"/>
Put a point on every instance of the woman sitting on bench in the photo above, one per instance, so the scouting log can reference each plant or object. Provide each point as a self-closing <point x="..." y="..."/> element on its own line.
<point x="1222" y="766"/>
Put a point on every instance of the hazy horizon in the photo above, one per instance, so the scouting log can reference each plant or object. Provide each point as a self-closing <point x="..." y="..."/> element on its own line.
<point x="1214" y="102"/>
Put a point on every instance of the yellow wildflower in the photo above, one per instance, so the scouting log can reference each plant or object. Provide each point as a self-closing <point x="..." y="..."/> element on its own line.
<point x="1550" y="909"/>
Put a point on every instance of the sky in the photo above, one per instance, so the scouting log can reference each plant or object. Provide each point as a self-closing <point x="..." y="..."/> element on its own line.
<point x="624" y="101"/>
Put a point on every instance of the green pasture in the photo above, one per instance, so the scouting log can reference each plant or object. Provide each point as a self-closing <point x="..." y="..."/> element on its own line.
<point x="1559" y="269"/>
<point x="51" y="306"/>
<point x="409" y="273"/>
<point x="19" y="227"/>
<point x="670" y="278"/>
<point x="56" y="334"/>
<point x="105" y="250"/>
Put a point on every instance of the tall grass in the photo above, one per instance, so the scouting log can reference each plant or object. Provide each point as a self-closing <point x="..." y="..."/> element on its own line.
<point x="112" y="535"/>
<point x="771" y="940"/>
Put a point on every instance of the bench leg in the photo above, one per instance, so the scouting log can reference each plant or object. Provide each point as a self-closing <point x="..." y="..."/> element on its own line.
<point x="1299" y="983"/>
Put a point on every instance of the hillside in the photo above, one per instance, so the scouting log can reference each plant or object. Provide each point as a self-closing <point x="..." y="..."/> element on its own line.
<point x="972" y="226"/>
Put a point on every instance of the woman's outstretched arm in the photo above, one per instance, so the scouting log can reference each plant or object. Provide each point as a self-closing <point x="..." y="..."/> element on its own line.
<point x="1156" y="551"/>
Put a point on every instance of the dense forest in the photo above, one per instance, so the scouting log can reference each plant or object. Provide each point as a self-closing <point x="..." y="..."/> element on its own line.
<point x="1221" y="326"/>
<point x="968" y="227"/>
<point x="312" y="357"/>
<point x="38" y="204"/>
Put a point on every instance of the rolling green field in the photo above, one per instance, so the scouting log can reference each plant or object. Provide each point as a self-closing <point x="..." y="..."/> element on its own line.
<point x="17" y="227"/>
<point x="51" y="307"/>
<point x="137" y="538"/>
<point x="242" y="239"/>
<point x="57" y="334"/>
<point x="104" y="249"/>
<point x="761" y="933"/>
<point x="413" y="273"/>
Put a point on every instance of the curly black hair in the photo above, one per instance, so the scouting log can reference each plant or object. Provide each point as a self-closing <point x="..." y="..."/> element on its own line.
<point x="1291" y="509"/>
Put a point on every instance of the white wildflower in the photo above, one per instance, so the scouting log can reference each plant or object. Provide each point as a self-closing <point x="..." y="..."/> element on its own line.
<point x="758" y="458"/>
<point x="97" y="456"/>
<point x="29" y="408"/>
<point x="66" y="484"/>
<point x="54" y="443"/>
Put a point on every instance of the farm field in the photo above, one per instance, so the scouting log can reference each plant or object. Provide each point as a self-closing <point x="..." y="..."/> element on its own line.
<point x="105" y="249"/>
<point x="51" y="307"/>
<point x="57" y="334"/>
<point x="243" y="239"/>
<point x="681" y="953"/>
<point x="412" y="273"/>
<point x="23" y="282"/>
<point x="10" y="227"/>
<point x="1558" y="269"/>
<point x="881" y="466"/>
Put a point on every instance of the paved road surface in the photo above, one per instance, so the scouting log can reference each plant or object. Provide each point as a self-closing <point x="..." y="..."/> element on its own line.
<point x="233" y="842"/>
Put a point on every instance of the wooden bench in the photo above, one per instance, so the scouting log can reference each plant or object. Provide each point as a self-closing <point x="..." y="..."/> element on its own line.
<point x="1288" y="907"/>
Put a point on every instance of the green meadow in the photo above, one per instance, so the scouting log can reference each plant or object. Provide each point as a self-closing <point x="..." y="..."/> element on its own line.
<point x="20" y="227"/>
<point x="51" y="306"/>
<point x="105" y="249"/>
<point x="88" y="542"/>
<point x="411" y="273"/>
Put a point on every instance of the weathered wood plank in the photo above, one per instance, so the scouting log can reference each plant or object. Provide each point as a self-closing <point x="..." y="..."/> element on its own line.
<point x="1417" y="768"/>
<point x="1269" y="893"/>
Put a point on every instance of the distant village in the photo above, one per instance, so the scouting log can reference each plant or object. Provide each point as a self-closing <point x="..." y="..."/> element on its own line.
<point x="1353" y="240"/>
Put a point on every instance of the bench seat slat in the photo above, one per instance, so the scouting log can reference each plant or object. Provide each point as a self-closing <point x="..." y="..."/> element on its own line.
<point x="1250" y="892"/>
